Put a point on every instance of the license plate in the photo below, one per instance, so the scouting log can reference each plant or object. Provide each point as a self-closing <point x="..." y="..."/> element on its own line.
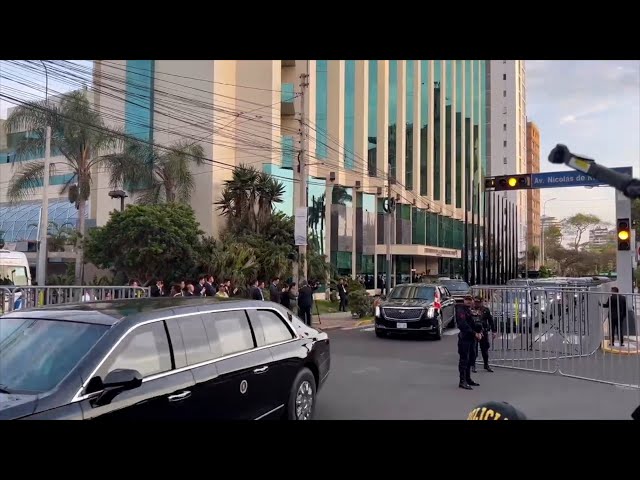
<point x="401" y="325"/>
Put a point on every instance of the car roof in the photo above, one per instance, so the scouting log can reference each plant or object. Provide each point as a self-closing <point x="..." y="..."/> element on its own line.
<point x="423" y="284"/>
<point x="111" y="312"/>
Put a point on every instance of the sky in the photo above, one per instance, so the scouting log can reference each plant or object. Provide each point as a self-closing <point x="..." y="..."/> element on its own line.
<point x="593" y="107"/>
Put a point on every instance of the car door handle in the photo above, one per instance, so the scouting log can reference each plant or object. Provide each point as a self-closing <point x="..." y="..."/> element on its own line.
<point x="179" y="396"/>
<point x="260" y="370"/>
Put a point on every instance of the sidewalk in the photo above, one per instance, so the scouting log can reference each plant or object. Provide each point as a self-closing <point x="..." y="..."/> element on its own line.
<point x="329" y="321"/>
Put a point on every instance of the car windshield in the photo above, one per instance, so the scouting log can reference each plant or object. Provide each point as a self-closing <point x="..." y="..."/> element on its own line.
<point x="407" y="292"/>
<point x="456" y="286"/>
<point x="35" y="354"/>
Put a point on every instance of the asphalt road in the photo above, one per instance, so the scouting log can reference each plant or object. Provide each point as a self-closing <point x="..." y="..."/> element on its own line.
<point x="417" y="379"/>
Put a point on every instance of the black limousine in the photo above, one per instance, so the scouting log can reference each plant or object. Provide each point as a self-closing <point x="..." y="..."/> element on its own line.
<point x="160" y="358"/>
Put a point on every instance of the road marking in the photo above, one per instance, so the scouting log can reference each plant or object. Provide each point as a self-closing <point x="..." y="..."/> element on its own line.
<point x="369" y="329"/>
<point x="453" y="331"/>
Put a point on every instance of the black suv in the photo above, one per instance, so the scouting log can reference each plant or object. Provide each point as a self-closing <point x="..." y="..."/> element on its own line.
<point x="416" y="307"/>
<point x="159" y="358"/>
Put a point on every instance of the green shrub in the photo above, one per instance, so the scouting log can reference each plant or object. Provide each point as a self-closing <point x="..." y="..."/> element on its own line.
<point x="361" y="303"/>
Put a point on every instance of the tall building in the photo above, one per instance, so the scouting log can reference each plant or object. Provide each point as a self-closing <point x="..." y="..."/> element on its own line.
<point x="507" y="82"/>
<point x="601" y="236"/>
<point x="534" y="224"/>
<point x="422" y="121"/>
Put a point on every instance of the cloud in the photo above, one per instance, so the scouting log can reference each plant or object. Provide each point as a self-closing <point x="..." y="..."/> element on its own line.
<point x="596" y="109"/>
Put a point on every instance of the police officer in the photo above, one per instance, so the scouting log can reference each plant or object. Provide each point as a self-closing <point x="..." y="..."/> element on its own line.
<point x="470" y="332"/>
<point x="483" y="315"/>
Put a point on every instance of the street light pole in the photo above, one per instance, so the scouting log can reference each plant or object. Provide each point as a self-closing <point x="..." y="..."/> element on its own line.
<point x="544" y="215"/>
<point x="41" y="276"/>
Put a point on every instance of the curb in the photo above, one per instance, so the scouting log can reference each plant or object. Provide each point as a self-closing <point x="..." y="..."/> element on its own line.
<point x="361" y="323"/>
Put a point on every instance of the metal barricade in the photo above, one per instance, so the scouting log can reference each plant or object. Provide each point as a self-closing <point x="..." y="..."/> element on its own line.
<point x="564" y="330"/>
<point x="12" y="297"/>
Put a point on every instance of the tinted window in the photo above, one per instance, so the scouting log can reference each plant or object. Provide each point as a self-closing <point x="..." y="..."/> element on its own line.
<point x="232" y="329"/>
<point x="413" y="293"/>
<point x="273" y="327"/>
<point x="456" y="286"/>
<point x="145" y="349"/>
<point x="35" y="355"/>
<point x="196" y="341"/>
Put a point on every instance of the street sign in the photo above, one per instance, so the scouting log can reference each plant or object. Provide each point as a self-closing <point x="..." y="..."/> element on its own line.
<point x="569" y="178"/>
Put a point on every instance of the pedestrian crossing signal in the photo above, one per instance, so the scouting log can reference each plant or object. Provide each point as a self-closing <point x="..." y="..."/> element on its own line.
<point x="624" y="234"/>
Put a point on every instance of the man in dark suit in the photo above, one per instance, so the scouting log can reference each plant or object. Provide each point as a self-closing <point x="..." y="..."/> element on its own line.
<point x="274" y="290"/>
<point x="256" y="291"/>
<point x="617" y="305"/>
<point x="305" y="301"/>
<point x="343" y="294"/>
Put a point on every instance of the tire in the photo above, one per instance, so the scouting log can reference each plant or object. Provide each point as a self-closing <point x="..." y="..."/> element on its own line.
<point x="380" y="333"/>
<point x="438" y="335"/>
<point x="303" y="394"/>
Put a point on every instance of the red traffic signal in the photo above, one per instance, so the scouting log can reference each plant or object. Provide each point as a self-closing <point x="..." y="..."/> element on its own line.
<point x="624" y="234"/>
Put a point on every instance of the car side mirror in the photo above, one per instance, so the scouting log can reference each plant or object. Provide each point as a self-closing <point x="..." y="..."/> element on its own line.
<point x="115" y="382"/>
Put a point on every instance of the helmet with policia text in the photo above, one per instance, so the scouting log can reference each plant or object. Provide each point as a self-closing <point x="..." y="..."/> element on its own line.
<point x="496" y="411"/>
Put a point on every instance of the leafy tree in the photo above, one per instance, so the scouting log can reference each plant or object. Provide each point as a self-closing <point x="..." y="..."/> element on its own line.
<point x="533" y="254"/>
<point x="78" y="134"/>
<point x="248" y="199"/>
<point x="161" y="175"/>
<point x="635" y="216"/>
<point x="230" y="260"/>
<point x="148" y="241"/>
<point x="578" y="224"/>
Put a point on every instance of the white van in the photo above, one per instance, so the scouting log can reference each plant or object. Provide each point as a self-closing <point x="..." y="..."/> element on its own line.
<point x="14" y="268"/>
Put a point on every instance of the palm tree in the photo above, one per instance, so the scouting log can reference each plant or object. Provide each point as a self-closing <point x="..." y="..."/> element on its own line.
<point x="161" y="176"/>
<point x="78" y="134"/>
<point x="248" y="199"/>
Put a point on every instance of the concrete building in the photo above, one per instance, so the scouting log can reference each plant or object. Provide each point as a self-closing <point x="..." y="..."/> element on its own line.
<point x="507" y="82"/>
<point x="601" y="236"/>
<point x="363" y="119"/>
<point x="534" y="224"/>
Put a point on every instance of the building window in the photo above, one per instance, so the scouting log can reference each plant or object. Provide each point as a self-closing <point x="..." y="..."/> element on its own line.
<point x="409" y="125"/>
<point x="139" y="99"/>
<point x="321" y="108"/>
<point x="424" y="122"/>
<point x="504" y="127"/>
<point x="349" y="113"/>
<point x="504" y="93"/>
<point x="504" y="144"/>
<point x="504" y="76"/>
<point x="504" y="160"/>
<point x="372" y="161"/>
<point x="393" y="115"/>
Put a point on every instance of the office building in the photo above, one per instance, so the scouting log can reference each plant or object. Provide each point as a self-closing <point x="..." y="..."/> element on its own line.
<point x="601" y="236"/>
<point x="421" y="121"/>
<point x="534" y="224"/>
<point x="508" y="107"/>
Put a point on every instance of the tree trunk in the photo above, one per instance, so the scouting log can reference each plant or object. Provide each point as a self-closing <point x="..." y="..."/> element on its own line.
<point x="82" y="207"/>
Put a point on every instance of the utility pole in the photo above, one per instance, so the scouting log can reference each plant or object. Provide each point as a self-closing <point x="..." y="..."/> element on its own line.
<point x="302" y="166"/>
<point x="41" y="276"/>
<point x="390" y="204"/>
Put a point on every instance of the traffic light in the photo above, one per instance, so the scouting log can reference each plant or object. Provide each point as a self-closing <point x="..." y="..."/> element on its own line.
<point x="624" y="234"/>
<point x="512" y="182"/>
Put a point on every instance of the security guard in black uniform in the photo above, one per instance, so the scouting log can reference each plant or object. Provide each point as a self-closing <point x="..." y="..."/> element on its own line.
<point x="483" y="315"/>
<point x="470" y="332"/>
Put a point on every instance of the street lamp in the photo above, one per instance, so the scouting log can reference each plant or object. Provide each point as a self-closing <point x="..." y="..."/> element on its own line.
<point x="544" y="215"/>
<point x="121" y="194"/>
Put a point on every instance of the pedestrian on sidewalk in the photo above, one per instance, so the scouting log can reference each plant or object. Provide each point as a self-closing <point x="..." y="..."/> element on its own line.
<point x="617" y="305"/>
<point x="344" y="295"/>
<point x="305" y="301"/>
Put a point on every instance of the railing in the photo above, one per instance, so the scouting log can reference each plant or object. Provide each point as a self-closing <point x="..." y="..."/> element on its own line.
<point x="19" y="297"/>
<point x="566" y="331"/>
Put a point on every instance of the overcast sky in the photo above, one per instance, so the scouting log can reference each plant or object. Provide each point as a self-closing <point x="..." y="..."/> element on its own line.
<point x="593" y="107"/>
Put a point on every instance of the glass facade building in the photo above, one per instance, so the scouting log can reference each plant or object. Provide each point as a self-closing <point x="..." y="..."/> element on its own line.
<point x="434" y="175"/>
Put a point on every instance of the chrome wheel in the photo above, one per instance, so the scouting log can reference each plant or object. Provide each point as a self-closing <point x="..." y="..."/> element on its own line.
<point x="304" y="401"/>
